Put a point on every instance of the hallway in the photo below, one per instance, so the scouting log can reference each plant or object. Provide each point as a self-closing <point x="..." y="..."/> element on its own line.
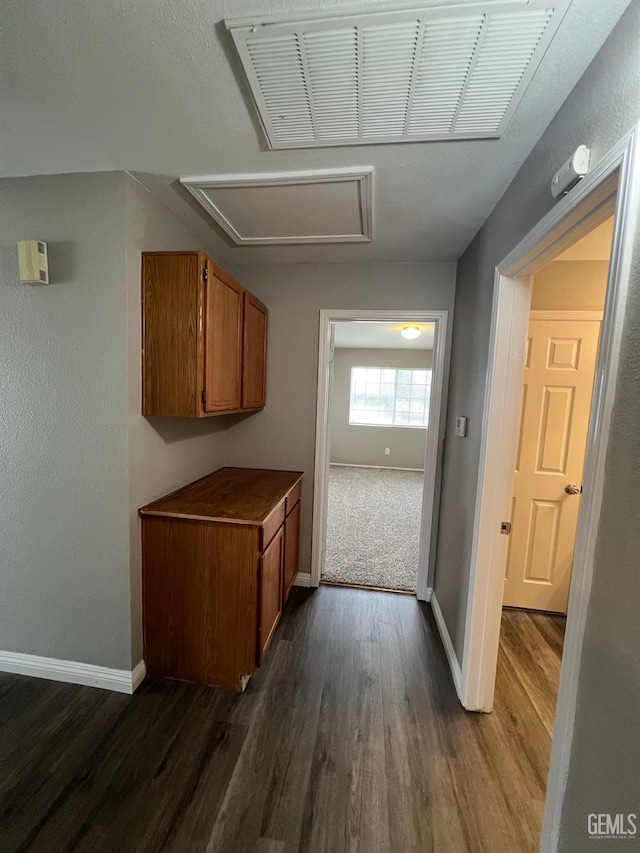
<point x="350" y="738"/>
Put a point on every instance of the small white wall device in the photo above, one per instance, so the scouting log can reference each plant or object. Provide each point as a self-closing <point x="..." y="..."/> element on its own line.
<point x="571" y="172"/>
<point x="461" y="427"/>
<point x="32" y="262"/>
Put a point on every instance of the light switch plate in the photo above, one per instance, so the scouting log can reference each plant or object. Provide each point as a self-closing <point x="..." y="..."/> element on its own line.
<point x="461" y="427"/>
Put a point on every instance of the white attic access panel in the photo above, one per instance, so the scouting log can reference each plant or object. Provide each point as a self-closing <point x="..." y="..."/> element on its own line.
<point x="438" y="72"/>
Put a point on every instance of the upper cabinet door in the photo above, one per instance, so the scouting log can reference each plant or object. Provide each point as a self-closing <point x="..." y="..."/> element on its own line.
<point x="170" y="381"/>
<point x="254" y="374"/>
<point x="223" y="344"/>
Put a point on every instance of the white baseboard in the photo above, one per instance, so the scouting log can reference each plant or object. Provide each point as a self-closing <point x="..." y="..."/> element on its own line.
<point x="302" y="579"/>
<point x="454" y="665"/>
<point x="72" y="672"/>
<point x="138" y="675"/>
<point x="383" y="467"/>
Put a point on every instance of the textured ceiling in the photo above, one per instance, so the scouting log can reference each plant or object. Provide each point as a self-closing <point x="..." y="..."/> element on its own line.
<point x="154" y="87"/>
<point x="381" y="336"/>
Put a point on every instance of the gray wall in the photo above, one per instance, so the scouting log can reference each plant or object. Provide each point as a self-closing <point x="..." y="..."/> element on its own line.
<point x="163" y="453"/>
<point x="76" y="457"/>
<point x="605" y="753"/>
<point x="283" y="435"/>
<point x="364" y="445"/>
<point x="64" y="527"/>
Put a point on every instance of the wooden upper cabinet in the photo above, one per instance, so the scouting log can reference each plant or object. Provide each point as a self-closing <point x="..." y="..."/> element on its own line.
<point x="204" y="338"/>
<point x="254" y="369"/>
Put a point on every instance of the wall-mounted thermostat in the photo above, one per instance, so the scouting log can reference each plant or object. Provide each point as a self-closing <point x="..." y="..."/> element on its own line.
<point x="461" y="427"/>
<point x="32" y="262"/>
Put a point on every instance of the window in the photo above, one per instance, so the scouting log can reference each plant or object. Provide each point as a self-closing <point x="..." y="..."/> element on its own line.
<point x="382" y="396"/>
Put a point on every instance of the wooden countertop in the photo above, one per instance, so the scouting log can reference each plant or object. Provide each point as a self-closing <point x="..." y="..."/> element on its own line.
<point x="231" y="495"/>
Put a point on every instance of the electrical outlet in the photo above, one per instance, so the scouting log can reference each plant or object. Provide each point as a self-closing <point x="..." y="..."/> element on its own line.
<point x="387" y="451"/>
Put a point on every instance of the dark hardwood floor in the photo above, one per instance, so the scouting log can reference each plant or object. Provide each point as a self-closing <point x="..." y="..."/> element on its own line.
<point x="350" y="738"/>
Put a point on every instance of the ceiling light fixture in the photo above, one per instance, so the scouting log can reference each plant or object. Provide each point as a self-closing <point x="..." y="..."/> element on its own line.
<point x="410" y="332"/>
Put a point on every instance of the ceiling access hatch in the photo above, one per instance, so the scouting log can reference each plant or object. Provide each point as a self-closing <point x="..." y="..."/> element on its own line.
<point x="440" y="72"/>
<point x="287" y="208"/>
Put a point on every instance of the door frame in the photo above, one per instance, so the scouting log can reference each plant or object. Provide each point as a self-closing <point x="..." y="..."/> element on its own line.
<point x="612" y="187"/>
<point x="433" y="444"/>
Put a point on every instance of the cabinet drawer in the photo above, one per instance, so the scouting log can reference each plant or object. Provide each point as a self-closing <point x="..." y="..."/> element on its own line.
<point x="293" y="497"/>
<point x="272" y="524"/>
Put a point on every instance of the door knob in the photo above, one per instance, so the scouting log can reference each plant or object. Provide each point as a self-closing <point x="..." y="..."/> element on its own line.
<point x="572" y="489"/>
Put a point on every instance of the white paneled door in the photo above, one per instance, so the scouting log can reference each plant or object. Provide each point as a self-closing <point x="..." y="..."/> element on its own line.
<point x="558" y="384"/>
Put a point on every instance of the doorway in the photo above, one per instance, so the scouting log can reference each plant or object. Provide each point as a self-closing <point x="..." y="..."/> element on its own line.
<point x="611" y="189"/>
<point x="358" y="516"/>
<point x="380" y="389"/>
<point x="559" y="371"/>
<point x="567" y="304"/>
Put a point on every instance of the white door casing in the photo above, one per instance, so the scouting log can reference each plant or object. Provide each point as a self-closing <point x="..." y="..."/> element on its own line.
<point x="559" y="370"/>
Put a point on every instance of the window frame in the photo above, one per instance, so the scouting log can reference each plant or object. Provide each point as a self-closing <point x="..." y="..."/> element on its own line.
<point x="396" y="370"/>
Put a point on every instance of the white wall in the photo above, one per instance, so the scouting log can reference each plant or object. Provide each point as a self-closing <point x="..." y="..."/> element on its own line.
<point x="606" y="746"/>
<point x="64" y="553"/>
<point x="163" y="453"/>
<point x="354" y="444"/>
<point x="283" y="435"/>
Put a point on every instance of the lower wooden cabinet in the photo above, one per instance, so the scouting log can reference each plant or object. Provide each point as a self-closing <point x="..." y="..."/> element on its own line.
<point x="219" y="560"/>
<point x="291" y="549"/>
<point x="270" y="585"/>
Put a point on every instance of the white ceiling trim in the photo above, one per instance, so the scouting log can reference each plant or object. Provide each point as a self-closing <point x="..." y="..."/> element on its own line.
<point x="440" y="72"/>
<point x="362" y="176"/>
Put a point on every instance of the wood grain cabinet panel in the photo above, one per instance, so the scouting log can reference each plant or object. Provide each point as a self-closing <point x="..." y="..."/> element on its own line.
<point x="271" y="565"/>
<point x="214" y="557"/>
<point x="204" y="338"/>
<point x="272" y="524"/>
<point x="170" y="303"/>
<point x="223" y="345"/>
<point x="291" y="550"/>
<point x="254" y="364"/>
<point x="200" y="588"/>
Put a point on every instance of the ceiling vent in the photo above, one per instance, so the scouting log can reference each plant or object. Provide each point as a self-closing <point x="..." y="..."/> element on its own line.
<point x="439" y="72"/>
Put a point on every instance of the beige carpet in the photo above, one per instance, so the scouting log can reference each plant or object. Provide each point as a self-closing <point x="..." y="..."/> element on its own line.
<point x="373" y="527"/>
